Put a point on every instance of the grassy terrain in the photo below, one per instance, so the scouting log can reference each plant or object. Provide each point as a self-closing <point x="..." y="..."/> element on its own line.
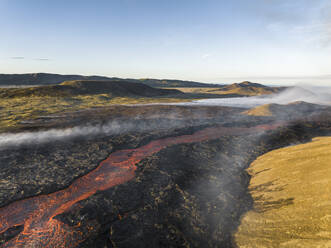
<point x="263" y="110"/>
<point x="19" y="105"/>
<point x="199" y="90"/>
<point x="291" y="188"/>
<point x="14" y="111"/>
<point x="234" y="89"/>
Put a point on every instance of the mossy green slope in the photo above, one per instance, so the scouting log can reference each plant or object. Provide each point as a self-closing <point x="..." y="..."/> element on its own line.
<point x="78" y="87"/>
<point x="18" y="105"/>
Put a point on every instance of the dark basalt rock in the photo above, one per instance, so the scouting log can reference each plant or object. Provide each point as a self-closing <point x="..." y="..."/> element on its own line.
<point x="34" y="169"/>
<point x="10" y="233"/>
<point x="190" y="195"/>
<point x="163" y="206"/>
<point x="55" y="165"/>
<point x="186" y="195"/>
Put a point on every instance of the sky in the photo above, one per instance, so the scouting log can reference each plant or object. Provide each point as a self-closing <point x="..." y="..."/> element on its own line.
<point x="218" y="41"/>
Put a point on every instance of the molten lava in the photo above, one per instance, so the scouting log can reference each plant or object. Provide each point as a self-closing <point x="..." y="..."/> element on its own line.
<point x="37" y="213"/>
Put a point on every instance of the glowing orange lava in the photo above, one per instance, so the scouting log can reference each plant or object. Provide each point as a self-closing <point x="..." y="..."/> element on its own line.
<point x="37" y="213"/>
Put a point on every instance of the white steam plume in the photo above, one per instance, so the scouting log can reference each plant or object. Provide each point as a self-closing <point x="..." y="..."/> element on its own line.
<point x="317" y="95"/>
<point x="10" y="139"/>
<point x="110" y="128"/>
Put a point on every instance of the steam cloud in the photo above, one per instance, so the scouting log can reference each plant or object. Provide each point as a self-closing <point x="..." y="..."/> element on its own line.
<point x="110" y="128"/>
<point x="10" y="139"/>
<point x="317" y="95"/>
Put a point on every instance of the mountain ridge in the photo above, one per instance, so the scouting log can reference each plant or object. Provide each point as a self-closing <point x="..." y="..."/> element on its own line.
<point x="244" y="88"/>
<point x="50" y="78"/>
<point x="89" y="87"/>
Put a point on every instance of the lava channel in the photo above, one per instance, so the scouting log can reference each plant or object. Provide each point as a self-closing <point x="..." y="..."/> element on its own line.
<point x="37" y="213"/>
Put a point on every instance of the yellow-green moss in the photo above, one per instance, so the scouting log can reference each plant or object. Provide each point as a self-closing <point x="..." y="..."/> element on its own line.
<point x="15" y="110"/>
<point x="291" y="189"/>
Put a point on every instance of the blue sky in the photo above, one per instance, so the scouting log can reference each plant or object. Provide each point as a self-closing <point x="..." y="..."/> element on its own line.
<point x="267" y="41"/>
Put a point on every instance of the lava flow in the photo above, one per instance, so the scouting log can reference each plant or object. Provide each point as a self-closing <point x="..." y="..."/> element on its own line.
<point x="37" y="213"/>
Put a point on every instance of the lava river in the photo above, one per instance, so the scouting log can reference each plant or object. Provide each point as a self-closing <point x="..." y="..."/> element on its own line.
<point x="36" y="214"/>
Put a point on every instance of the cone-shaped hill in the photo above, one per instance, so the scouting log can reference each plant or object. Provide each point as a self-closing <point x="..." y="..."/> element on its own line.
<point x="235" y="90"/>
<point x="249" y="89"/>
<point x="81" y="87"/>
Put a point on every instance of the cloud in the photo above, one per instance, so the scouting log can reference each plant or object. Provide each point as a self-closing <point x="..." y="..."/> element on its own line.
<point x="21" y="57"/>
<point x="316" y="32"/>
<point x="306" y="20"/>
<point x="42" y="59"/>
<point x="284" y="11"/>
<point x="206" y="55"/>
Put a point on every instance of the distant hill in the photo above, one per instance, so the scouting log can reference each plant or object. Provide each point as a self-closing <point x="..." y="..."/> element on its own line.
<point x="249" y="89"/>
<point x="200" y="90"/>
<point x="48" y="78"/>
<point x="82" y="87"/>
<point x="235" y="90"/>
<point x="43" y="78"/>
<point x="164" y="83"/>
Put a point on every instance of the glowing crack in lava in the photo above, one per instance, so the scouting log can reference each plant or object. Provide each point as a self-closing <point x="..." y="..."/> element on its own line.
<point x="37" y="213"/>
